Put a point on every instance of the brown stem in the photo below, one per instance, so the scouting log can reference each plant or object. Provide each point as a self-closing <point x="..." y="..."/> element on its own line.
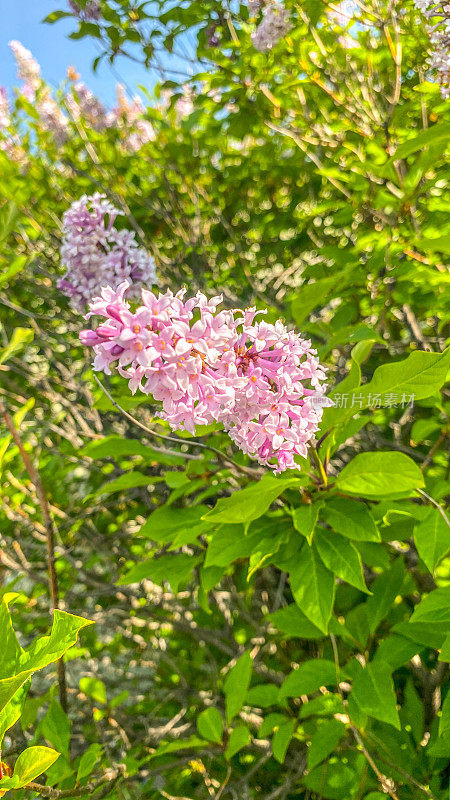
<point x="49" y="792"/>
<point x="50" y="536"/>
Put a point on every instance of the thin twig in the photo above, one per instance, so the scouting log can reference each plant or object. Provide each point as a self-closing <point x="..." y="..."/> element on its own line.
<point x="224" y="784"/>
<point x="385" y="783"/>
<point x="106" y="784"/>
<point x="50" y="537"/>
<point x="246" y="470"/>
<point x="436" y="504"/>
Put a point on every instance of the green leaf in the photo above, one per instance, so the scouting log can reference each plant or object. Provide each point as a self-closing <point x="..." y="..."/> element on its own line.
<point x="444" y="722"/>
<point x="341" y="557"/>
<point x="412" y="712"/>
<point x="164" y="524"/>
<point x="9" y="216"/>
<point x="17" y="265"/>
<point x="252" y="502"/>
<point x="210" y="725"/>
<point x="236" y="685"/>
<point x="129" y="480"/>
<point x="311" y="295"/>
<point x="55" y="727"/>
<point x="322" y="706"/>
<point x="432" y="538"/>
<point x="263" y="695"/>
<point x="385" y="589"/>
<point x="309" y="678"/>
<point x="20" y="338"/>
<point x="351" y="519"/>
<point x="175" y="569"/>
<point x="10" y="650"/>
<point x="305" y="519"/>
<point x="418" y="376"/>
<point x="423" y="139"/>
<point x="373" y="692"/>
<point x="13" y="710"/>
<point x="194" y="742"/>
<point x="239" y="738"/>
<point x="324" y="741"/>
<point x="292" y="622"/>
<point x="117" y="447"/>
<point x="374" y="475"/>
<point x="43" y="651"/>
<point x="282" y="738"/>
<point x="229" y="543"/>
<point x="31" y="763"/>
<point x="434" y="608"/>
<point x="54" y="16"/>
<point x="444" y="655"/>
<point x="312" y="585"/>
<point x="94" y="688"/>
<point x="88" y="761"/>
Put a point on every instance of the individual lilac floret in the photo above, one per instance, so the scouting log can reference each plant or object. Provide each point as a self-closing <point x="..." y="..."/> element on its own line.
<point x="263" y="382"/>
<point x="90" y="13"/>
<point x="96" y="254"/>
<point x="273" y="26"/>
<point x="438" y="15"/>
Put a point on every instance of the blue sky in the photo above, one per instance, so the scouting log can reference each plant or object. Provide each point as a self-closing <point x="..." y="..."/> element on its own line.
<point x="21" y="19"/>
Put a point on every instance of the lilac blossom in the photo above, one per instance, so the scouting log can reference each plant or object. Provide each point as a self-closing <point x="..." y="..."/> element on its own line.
<point x="28" y="68"/>
<point x="263" y="382"/>
<point x="438" y="16"/>
<point x="96" y="254"/>
<point x="130" y="118"/>
<point x="5" y="118"/>
<point x="273" y="26"/>
<point x="90" y="13"/>
<point x="83" y="104"/>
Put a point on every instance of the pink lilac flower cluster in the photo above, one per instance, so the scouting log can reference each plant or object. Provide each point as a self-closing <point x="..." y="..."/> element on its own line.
<point x="90" y="13"/>
<point x="274" y="25"/>
<point x="262" y="381"/>
<point x="96" y="254"/>
<point x="438" y="16"/>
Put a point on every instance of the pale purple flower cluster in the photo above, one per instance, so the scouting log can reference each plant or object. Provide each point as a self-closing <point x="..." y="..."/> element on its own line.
<point x="438" y="15"/>
<point x="96" y="254"/>
<point x="51" y="117"/>
<point x="5" y="118"/>
<point x="130" y="118"/>
<point x="83" y="104"/>
<point x="274" y="25"/>
<point x="262" y="381"/>
<point x="254" y="6"/>
<point x="90" y="13"/>
<point x="28" y="68"/>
